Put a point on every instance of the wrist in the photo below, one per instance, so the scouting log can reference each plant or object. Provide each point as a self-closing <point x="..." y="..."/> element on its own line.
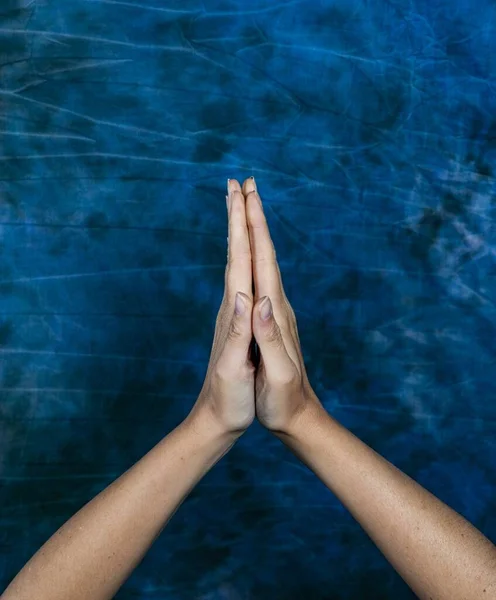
<point x="307" y="420"/>
<point x="202" y="424"/>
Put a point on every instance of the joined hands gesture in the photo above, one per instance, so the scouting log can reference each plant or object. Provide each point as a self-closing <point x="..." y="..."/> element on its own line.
<point x="439" y="554"/>
<point x="239" y="383"/>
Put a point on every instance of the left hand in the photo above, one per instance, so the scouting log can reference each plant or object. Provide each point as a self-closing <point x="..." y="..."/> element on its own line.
<point x="283" y="391"/>
<point x="228" y="395"/>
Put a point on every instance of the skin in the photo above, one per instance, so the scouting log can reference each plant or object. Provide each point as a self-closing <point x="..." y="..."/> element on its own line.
<point x="440" y="555"/>
<point x="93" y="553"/>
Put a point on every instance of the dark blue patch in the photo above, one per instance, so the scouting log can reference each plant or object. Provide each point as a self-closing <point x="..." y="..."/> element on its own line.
<point x="370" y="129"/>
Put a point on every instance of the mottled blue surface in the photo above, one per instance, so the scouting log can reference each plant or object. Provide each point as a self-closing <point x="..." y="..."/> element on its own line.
<point x="371" y="130"/>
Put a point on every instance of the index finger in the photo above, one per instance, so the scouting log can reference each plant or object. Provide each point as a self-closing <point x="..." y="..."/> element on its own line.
<point x="238" y="271"/>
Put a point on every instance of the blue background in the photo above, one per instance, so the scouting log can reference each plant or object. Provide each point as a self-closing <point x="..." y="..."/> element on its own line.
<point x="370" y="128"/>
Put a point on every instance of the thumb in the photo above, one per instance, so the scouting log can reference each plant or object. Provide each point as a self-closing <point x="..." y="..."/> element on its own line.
<point x="269" y="337"/>
<point x="239" y="334"/>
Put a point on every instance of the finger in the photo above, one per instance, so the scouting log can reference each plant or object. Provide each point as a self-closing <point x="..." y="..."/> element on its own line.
<point x="249" y="185"/>
<point x="239" y="335"/>
<point x="267" y="332"/>
<point x="238" y="271"/>
<point x="266" y="273"/>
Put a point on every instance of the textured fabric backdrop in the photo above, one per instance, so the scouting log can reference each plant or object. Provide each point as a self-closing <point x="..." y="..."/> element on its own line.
<point x="370" y="128"/>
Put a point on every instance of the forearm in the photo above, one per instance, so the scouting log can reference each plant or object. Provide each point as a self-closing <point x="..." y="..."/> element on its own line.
<point x="94" y="552"/>
<point x="436" y="551"/>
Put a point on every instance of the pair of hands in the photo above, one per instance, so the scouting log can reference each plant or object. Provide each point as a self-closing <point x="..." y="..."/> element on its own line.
<point x="236" y="388"/>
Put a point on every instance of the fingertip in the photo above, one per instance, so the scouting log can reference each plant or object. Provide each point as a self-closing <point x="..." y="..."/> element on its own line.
<point x="249" y="185"/>
<point x="233" y="186"/>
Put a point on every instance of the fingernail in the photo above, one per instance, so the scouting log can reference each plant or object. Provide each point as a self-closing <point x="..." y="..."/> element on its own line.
<point x="228" y="181"/>
<point x="254" y="182"/>
<point x="266" y="309"/>
<point x="227" y="202"/>
<point x="239" y="305"/>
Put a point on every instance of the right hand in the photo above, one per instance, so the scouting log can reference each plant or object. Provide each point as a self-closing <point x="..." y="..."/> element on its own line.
<point x="282" y="390"/>
<point x="228" y="392"/>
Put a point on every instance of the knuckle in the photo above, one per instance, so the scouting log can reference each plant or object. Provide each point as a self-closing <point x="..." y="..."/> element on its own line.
<point x="266" y="259"/>
<point x="222" y="373"/>
<point x="285" y="378"/>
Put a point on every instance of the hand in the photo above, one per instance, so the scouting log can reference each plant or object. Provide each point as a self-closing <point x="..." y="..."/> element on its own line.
<point x="282" y="389"/>
<point x="227" y="396"/>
